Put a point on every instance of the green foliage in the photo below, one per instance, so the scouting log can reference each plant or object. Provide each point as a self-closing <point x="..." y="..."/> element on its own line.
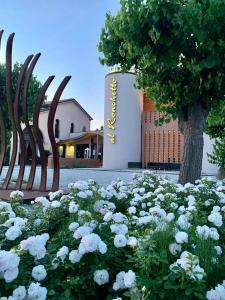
<point x="34" y="87"/>
<point x="218" y="154"/>
<point x="215" y="126"/>
<point x="176" y="46"/>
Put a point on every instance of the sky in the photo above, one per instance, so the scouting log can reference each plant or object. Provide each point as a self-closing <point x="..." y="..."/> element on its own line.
<point x="66" y="32"/>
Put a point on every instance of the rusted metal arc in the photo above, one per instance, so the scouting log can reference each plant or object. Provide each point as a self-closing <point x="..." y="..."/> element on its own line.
<point x="3" y="141"/>
<point x="16" y="113"/>
<point x="51" y="116"/>
<point x="37" y="134"/>
<point x="2" y="126"/>
<point x="28" y="126"/>
<point x="9" y="94"/>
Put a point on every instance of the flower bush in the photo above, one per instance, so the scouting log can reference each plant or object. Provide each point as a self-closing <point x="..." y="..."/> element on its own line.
<point x="146" y="239"/>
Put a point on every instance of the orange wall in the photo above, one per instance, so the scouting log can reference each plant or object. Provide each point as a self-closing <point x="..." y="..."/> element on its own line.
<point x="163" y="144"/>
<point x="148" y="104"/>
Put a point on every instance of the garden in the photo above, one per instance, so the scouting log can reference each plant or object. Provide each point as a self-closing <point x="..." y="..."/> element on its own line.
<point x="149" y="238"/>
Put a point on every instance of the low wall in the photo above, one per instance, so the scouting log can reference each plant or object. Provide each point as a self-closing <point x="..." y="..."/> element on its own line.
<point x="75" y="162"/>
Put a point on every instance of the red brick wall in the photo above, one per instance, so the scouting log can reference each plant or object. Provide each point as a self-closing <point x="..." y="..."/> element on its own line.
<point x="78" y="162"/>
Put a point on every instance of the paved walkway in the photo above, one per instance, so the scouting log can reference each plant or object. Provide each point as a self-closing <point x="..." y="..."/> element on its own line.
<point x="100" y="175"/>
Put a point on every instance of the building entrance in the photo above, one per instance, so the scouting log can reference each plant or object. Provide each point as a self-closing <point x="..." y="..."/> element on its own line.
<point x="80" y="150"/>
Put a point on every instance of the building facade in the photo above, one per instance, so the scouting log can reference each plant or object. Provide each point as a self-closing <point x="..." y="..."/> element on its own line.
<point x="131" y="138"/>
<point x="78" y="145"/>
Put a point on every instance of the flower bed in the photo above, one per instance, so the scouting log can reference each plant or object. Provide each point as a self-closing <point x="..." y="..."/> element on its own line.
<point x="146" y="239"/>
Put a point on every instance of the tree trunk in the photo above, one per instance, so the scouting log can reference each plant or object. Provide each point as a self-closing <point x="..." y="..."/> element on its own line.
<point x="192" y="128"/>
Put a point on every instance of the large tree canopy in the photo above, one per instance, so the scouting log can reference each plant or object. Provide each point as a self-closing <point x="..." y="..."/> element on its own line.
<point x="178" y="50"/>
<point x="34" y="87"/>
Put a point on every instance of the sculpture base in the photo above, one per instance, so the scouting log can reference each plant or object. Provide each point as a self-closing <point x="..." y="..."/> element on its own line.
<point x="28" y="195"/>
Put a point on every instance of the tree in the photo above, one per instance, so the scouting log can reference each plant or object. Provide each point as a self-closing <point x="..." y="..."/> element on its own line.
<point x="215" y="125"/>
<point x="178" y="50"/>
<point x="34" y="87"/>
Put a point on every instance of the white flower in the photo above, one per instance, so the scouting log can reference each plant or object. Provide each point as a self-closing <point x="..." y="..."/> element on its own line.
<point x="84" y="213"/>
<point x="216" y="208"/>
<point x="214" y="234"/>
<point x="173" y="205"/>
<point x="132" y="241"/>
<point x="216" y="219"/>
<point x="108" y="216"/>
<point x="207" y="203"/>
<point x="55" y="204"/>
<point x="145" y="220"/>
<point x="35" y="245"/>
<point x="13" y="233"/>
<point x="103" y="206"/>
<point x="119" y="283"/>
<point x="55" y="195"/>
<point x="82" y="231"/>
<point x="189" y="263"/>
<point x="170" y="217"/>
<point x="119" y="218"/>
<point x="174" y="248"/>
<point x="124" y="280"/>
<point x="62" y="253"/>
<point x="17" y="195"/>
<point x="37" y="222"/>
<point x="129" y="279"/>
<point x="183" y="222"/>
<point x="218" y="250"/>
<point x="132" y="210"/>
<point x="102" y="247"/>
<point x="205" y="232"/>
<point x="101" y="277"/>
<point x="39" y="273"/>
<point x="37" y="292"/>
<point x="82" y="194"/>
<point x="73" y="226"/>
<point x="73" y="207"/>
<point x="43" y="201"/>
<point x="181" y="237"/>
<point x="19" y="293"/>
<point x="181" y="209"/>
<point x="75" y="256"/>
<point x="120" y="241"/>
<point x="119" y="228"/>
<point x="91" y="243"/>
<point x="9" y="263"/>
<point x="217" y="294"/>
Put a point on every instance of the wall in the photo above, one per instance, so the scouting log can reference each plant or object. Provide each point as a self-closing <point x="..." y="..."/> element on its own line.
<point x="75" y="163"/>
<point x="208" y="168"/>
<point x="161" y="144"/>
<point x="129" y="107"/>
<point x="67" y="113"/>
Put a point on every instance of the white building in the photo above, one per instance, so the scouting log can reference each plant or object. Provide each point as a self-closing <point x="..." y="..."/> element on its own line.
<point x="130" y="135"/>
<point x="78" y="145"/>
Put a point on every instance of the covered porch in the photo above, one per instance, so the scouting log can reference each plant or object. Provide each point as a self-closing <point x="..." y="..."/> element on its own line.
<point x="83" y="150"/>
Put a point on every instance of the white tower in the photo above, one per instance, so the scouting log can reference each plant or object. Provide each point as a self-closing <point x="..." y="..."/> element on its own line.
<point x="122" y="121"/>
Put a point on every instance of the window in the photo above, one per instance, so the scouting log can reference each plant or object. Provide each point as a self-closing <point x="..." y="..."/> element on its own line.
<point x="84" y="129"/>
<point x="72" y="128"/>
<point x="57" y="128"/>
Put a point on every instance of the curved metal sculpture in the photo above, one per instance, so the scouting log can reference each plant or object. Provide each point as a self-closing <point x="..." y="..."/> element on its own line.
<point x="27" y="123"/>
<point x="51" y="116"/>
<point x="9" y="94"/>
<point x="32" y="129"/>
<point x="17" y="119"/>
<point x="2" y="127"/>
<point x="37" y="134"/>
